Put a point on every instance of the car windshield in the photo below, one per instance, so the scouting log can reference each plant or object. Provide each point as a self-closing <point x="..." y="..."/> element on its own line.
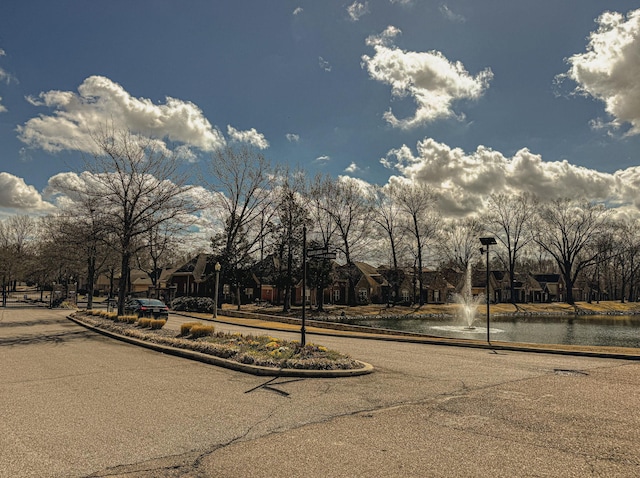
<point x="151" y="302"/>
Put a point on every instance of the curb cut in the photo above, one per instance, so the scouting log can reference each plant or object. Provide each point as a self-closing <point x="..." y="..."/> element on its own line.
<point x="230" y="364"/>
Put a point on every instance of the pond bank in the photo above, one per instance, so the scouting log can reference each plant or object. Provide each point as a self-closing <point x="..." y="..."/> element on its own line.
<point x="347" y="314"/>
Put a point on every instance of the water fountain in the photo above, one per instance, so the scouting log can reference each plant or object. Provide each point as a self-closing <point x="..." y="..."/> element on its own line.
<point x="468" y="304"/>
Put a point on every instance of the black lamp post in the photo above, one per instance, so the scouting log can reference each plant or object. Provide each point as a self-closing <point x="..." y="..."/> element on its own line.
<point x="486" y="242"/>
<point x="303" y="328"/>
<point x="217" y="268"/>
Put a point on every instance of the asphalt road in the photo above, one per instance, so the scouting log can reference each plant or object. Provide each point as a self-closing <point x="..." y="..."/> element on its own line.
<point x="77" y="404"/>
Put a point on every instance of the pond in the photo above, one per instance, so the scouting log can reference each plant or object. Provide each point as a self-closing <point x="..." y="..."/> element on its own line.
<point x="614" y="331"/>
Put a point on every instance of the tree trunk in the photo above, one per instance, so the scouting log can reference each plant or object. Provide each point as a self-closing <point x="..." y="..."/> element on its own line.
<point x="569" y="282"/>
<point x="91" y="270"/>
<point x="123" y="283"/>
<point x="320" y="298"/>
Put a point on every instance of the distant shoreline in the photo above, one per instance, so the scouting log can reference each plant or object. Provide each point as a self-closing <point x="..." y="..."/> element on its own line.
<point x="339" y="313"/>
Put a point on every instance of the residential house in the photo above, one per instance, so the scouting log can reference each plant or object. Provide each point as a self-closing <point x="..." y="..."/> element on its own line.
<point x="552" y="286"/>
<point x="436" y="289"/>
<point x="370" y="285"/>
<point x="479" y="285"/>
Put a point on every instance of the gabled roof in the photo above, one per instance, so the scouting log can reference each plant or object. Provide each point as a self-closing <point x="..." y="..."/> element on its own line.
<point x="547" y="278"/>
<point x="264" y="272"/>
<point x="196" y="267"/>
<point x="436" y="280"/>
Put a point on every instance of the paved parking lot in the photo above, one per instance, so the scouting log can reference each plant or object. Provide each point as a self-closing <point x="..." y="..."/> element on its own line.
<point x="75" y="403"/>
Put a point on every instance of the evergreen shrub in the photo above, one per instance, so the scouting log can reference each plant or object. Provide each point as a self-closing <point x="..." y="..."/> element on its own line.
<point x="193" y="304"/>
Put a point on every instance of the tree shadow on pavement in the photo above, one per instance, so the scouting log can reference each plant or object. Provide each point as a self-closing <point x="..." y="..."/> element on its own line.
<point x="55" y="338"/>
<point x="29" y="323"/>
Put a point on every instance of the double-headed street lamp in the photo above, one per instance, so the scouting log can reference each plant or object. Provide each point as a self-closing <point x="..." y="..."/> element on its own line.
<point x="486" y="242"/>
<point x="217" y="268"/>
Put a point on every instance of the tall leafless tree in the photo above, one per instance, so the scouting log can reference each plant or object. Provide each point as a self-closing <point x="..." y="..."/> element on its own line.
<point x="290" y="218"/>
<point x="322" y="232"/>
<point x="567" y="228"/>
<point x="508" y="219"/>
<point x="349" y="207"/>
<point x="417" y="201"/>
<point x="16" y="234"/>
<point x="137" y="186"/>
<point x="387" y="218"/>
<point x="243" y="180"/>
<point x="458" y="242"/>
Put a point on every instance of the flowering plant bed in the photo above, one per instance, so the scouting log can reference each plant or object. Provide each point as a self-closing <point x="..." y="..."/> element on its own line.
<point x="262" y="350"/>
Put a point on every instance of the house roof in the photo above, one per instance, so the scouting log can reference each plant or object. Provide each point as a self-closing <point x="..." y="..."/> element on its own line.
<point x="547" y="277"/>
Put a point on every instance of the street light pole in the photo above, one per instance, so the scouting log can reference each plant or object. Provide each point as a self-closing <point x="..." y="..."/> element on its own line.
<point x="303" y="338"/>
<point x="215" y="297"/>
<point x="486" y="242"/>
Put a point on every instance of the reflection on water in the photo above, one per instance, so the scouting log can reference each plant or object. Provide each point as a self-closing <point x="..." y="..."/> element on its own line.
<point x="617" y="331"/>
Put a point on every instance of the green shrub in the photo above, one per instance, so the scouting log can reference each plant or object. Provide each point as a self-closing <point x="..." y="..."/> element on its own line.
<point x="193" y="304"/>
<point x="200" y="330"/>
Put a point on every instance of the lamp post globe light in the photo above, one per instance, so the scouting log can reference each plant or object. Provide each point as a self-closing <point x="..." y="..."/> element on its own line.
<point x="217" y="268"/>
<point x="486" y="242"/>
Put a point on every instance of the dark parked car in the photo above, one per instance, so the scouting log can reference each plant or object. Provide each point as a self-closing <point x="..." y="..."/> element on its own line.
<point x="147" y="308"/>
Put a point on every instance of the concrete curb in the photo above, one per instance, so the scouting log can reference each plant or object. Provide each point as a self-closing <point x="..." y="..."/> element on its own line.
<point x="230" y="364"/>
<point x="387" y="335"/>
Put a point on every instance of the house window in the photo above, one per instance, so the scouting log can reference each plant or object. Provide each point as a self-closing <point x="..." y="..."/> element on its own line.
<point x="336" y="295"/>
<point x="405" y="295"/>
<point x="362" y="294"/>
<point x="249" y="292"/>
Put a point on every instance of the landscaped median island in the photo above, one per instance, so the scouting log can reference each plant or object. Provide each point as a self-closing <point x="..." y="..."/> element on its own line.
<point x="255" y="354"/>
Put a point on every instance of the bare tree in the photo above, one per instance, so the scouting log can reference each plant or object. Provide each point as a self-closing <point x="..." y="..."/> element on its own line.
<point x="417" y="202"/>
<point x="77" y="241"/>
<point x="623" y="250"/>
<point x="387" y="218"/>
<point x="348" y="205"/>
<point x="243" y="179"/>
<point x="160" y="244"/>
<point x="136" y="186"/>
<point x="568" y="227"/>
<point x="16" y="233"/>
<point x="508" y="219"/>
<point x="290" y="218"/>
<point x="458" y="242"/>
<point x="323" y="231"/>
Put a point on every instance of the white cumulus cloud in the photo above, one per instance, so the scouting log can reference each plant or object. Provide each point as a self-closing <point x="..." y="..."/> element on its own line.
<point x="429" y="78"/>
<point x="100" y="101"/>
<point x="610" y="67"/>
<point x="16" y="194"/>
<point x="463" y="181"/>
<point x="352" y="168"/>
<point x="251" y="137"/>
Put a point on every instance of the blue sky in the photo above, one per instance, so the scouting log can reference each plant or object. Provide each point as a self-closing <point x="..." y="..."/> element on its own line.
<point x="472" y="97"/>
